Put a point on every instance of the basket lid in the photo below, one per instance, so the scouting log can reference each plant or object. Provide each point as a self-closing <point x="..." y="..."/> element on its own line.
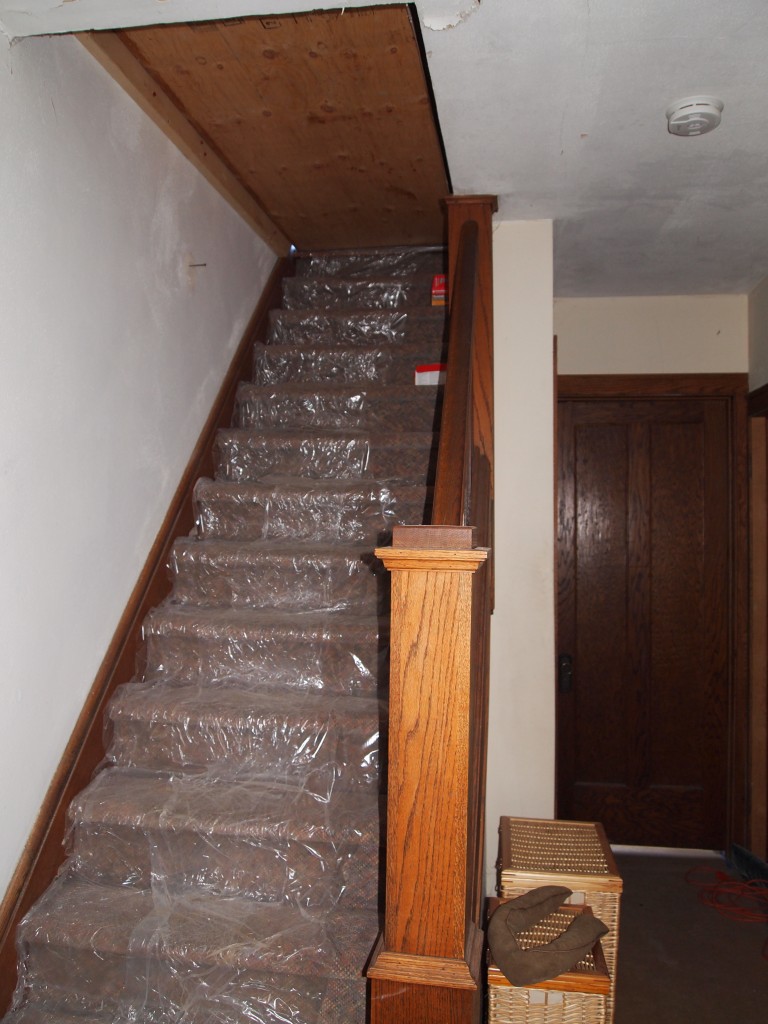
<point x="576" y="853"/>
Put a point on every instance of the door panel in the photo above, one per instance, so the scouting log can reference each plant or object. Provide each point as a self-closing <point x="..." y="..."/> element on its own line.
<point x="644" y="610"/>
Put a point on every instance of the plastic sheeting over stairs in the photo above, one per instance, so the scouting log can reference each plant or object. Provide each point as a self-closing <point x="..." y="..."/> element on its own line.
<point x="225" y="863"/>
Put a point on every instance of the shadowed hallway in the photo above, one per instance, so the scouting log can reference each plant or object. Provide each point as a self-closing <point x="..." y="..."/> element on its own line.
<point x="681" y="962"/>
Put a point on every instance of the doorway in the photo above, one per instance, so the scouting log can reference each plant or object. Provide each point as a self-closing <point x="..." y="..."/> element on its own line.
<point x="651" y="736"/>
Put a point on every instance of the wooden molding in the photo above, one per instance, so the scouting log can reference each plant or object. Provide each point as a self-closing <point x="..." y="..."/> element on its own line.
<point x="741" y="757"/>
<point x="428" y="990"/>
<point x="758" y="656"/>
<point x="487" y="202"/>
<point x="598" y="387"/>
<point x="393" y="1002"/>
<point x="44" y="852"/>
<point x="758" y="401"/>
<point x="432" y="559"/>
<point x="422" y="970"/>
<point x="443" y="538"/>
<point x="431" y="970"/>
<point x="115" y="57"/>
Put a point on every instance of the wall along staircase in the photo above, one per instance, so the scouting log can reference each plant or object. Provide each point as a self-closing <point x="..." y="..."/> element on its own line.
<point x="225" y="863"/>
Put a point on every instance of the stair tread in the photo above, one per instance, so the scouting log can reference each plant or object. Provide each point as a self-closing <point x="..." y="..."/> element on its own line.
<point x="356" y="510"/>
<point x="393" y="364"/>
<point x="277" y="549"/>
<point x="423" y="311"/>
<point x="420" y="393"/>
<point x="257" y="455"/>
<point x="298" y="486"/>
<point x="328" y="650"/>
<point x="227" y="805"/>
<point x="377" y="290"/>
<point x="311" y="626"/>
<point x="399" y="260"/>
<point x="401" y="349"/>
<point x="363" y="392"/>
<point x="236" y="706"/>
<point x="360" y="283"/>
<point x="36" y="1013"/>
<point x="364" y="405"/>
<point x="199" y="929"/>
<point x="356" y="327"/>
<point x="299" y="435"/>
<point x="266" y="731"/>
<point x="296" y="571"/>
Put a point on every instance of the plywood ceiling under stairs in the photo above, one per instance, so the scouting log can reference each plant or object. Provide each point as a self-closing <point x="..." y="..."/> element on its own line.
<point x="325" y="119"/>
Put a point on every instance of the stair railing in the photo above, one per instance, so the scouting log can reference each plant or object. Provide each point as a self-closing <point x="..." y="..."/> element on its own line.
<point x="427" y="965"/>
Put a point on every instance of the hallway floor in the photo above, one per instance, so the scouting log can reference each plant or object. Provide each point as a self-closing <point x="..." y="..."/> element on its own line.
<point x="681" y="962"/>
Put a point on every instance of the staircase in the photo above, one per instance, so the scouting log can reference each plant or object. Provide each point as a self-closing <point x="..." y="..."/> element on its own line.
<point x="224" y="865"/>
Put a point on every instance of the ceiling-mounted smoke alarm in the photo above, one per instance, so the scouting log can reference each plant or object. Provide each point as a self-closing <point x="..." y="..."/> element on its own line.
<point x="695" y="115"/>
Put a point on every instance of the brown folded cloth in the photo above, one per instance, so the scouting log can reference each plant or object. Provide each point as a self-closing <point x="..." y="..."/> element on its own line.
<point x="539" y="963"/>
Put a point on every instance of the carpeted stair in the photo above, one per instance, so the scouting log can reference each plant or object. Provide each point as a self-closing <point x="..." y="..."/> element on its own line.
<point x="224" y="866"/>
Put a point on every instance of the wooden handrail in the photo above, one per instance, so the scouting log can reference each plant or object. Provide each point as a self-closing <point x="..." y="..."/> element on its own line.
<point x="427" y="966"/>
<point x="450" y="506"/>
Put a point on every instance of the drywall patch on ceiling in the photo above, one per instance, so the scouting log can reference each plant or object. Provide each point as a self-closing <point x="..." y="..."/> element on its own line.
<point x="439" y="15"/>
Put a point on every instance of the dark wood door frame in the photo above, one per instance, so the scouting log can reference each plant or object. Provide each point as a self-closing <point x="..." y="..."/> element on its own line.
<point x="758" y="602"/>
<point x="733" y="386"/>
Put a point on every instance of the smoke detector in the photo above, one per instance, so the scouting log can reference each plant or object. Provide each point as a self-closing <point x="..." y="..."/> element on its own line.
<point x="695" y="115"/>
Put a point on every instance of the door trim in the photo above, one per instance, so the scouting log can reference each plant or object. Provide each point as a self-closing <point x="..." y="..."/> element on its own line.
<point x="650" y="385"/>
<point x="734" y="386"/>
<point x="758" y="598"/>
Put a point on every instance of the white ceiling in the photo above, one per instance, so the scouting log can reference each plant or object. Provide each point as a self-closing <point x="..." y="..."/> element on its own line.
<point x="557" y="106"/>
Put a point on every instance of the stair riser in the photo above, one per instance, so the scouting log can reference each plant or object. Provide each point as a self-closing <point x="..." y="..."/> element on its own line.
<point x="46" y="1013"/>
<point x="353" y="410"/>
<point x="378" y="328"/>
<point x="368" y="264"/>
<point x="283" y="748"/>
<point x="324" y="516"/>
<point x="257" y="457"/>
<point x="253" y="458"/>
<point x="353" y="519"/>
<point x="333" y="667"/>
<point x="287" y="364"/>
<point x="348" y="293"/>
<point x="304" y="583"/>
<point x="151" y="991"/>
<point x="315" y="875"/>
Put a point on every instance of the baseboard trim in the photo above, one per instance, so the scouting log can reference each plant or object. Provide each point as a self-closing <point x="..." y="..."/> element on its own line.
<point x="44" y="851"/>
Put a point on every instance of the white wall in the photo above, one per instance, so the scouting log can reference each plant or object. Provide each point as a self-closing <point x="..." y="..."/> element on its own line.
<point x="521" y="751"/>
<point x="678" y="334"/>
<point x="758" y="335"/>
<point x="652" y="334"/>
<point x="112" y="349"/>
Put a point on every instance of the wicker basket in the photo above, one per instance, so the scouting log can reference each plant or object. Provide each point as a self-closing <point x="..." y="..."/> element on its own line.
<point x="536" y="852"/>
<point x="578" y="996"/>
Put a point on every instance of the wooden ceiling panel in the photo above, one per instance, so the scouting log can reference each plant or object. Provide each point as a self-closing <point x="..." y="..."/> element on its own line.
<point x="325" y="118"/>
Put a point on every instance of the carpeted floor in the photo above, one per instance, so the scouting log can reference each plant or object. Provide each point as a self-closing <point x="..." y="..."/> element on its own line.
<point x="681" y="962"/>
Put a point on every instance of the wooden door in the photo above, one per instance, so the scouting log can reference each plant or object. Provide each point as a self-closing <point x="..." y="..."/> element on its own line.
<point x="645" y="614"/>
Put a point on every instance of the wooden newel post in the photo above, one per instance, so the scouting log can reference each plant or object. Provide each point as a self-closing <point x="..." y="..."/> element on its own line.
<point x="426" y="968"/>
